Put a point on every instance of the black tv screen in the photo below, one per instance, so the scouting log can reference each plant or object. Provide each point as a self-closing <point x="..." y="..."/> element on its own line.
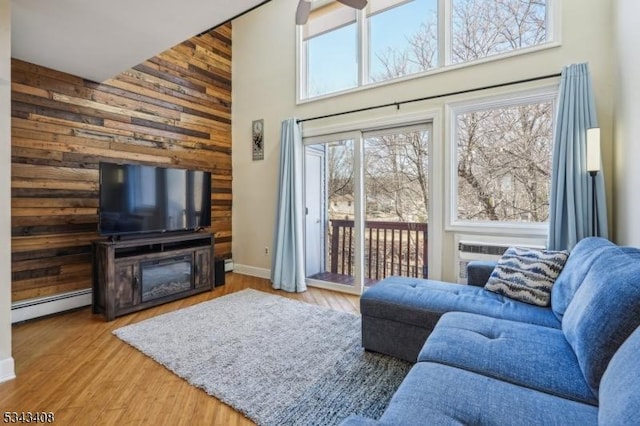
<point x="142" y="199"/>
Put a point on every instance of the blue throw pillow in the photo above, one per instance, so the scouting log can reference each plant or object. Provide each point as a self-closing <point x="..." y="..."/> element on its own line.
<point x="527" y="274"/>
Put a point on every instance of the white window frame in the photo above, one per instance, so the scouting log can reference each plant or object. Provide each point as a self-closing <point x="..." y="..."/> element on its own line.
<point x="444" y="50"/>
<point x="358" y="284"/>
<point x="547" y="93"/>
<point x="312" y="135"/>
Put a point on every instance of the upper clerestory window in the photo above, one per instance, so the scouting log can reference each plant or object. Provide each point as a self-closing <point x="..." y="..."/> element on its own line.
<point x="341" y="48"/>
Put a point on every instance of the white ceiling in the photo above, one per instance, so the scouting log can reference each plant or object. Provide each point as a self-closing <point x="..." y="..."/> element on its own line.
<point x="98" y="39"/>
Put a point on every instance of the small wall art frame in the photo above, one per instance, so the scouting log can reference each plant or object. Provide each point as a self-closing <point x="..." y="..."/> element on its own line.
<point x="257" y="133"/>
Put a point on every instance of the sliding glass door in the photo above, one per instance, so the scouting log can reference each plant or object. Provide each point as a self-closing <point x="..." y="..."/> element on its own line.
<point x="331" y="209"/>
<point x="366" y="196"/>
<point x="396" y="185"/>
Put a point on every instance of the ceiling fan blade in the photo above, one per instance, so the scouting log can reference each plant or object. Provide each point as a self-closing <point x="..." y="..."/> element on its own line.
<point x="357" y="4"/>
<point x="302" y="13"/>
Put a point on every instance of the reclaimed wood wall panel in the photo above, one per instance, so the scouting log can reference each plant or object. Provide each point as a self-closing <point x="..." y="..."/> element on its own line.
<point x="172" y="110"/>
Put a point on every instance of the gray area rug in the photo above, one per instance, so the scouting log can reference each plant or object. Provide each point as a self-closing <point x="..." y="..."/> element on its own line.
<point x="276" y="360"/>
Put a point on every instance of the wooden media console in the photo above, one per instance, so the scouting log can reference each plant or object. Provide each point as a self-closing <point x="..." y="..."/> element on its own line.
<point x="134" y="274"/>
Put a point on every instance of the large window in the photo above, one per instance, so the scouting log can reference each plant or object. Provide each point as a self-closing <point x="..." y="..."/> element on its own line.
<point x="482" y="28"/>
<point x="403" y="38"/>
<point x="503" y="160"/>
<point x="342" y="48"/>
<point x="330" y="50"/>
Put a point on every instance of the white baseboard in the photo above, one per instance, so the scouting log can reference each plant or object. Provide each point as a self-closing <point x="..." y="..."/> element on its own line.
<point x="252" y="271"/>
<point x="39" y="307"/>
<point x="7" y="370"/>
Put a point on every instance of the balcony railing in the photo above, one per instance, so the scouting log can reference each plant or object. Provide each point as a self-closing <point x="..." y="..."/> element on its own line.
<point x="391" y="248"/>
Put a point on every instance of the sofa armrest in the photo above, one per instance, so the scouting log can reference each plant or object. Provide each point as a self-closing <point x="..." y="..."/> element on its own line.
<point x="478" y="271"/>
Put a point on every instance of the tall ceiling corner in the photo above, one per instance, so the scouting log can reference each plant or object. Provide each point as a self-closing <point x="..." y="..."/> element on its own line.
<point x="97" y="40"/>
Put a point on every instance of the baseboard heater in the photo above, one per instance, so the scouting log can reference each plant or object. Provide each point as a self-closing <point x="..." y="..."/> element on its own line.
<point x="33" y="308"/>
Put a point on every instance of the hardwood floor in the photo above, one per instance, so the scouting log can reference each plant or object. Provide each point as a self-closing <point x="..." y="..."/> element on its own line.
<point x="70" y="364"/>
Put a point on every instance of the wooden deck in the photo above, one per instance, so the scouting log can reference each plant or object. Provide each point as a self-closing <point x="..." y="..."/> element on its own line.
<point x="390" y="248"/>
<point x="341" y="279"/>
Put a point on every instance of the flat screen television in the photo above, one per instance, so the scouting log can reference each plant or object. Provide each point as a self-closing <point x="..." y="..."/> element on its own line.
<point x="138" y="199"/>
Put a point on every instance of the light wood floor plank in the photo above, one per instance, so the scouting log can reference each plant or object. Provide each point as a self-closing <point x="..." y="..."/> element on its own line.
<point x="72" y="364"/>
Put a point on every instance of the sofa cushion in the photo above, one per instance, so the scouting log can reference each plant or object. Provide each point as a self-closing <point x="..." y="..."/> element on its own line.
<point x="479" y="271"/>
<point x="578" y="264"/>
<point x="620" y="386"/>
<point x="604" y="311"/>
<point x="472" y="398"/>
<point x="529" y="355"/>
<point x="414" y="301"/>
<point x="527" y="274"/>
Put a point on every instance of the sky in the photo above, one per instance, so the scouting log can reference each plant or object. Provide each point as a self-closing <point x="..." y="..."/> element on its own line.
<point x="333" y="56"/>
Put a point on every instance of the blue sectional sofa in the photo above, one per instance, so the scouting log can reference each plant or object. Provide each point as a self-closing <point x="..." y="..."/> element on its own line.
<point x="484" y="359"/>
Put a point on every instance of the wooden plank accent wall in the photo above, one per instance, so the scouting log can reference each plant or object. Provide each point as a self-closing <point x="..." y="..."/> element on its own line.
<point x="172" y="110"/>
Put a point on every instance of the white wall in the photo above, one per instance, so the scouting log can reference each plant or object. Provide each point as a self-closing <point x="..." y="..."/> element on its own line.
<point x="6" y="361"/>
<point x="627" y="123"/>
<point x="264" y="64"/>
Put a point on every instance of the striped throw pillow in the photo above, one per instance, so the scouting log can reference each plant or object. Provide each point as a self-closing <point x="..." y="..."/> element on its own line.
<point x="527" y="275"/>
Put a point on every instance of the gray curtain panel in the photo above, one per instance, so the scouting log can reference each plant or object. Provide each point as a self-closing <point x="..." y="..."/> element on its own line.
<point x="287" y="268"/>
<point x="571" y="203"/>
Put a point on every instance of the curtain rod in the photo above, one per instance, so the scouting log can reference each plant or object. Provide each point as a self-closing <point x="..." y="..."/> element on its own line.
<point x="426" y="98"/>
